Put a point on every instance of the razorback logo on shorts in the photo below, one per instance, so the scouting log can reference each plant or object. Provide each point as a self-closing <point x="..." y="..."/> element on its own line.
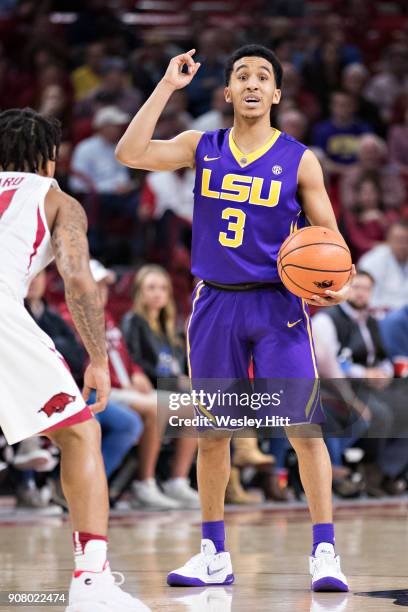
<point x="57" y="403"/>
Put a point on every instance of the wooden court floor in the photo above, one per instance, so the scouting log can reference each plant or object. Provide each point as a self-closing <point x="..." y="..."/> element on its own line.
<point x="269" y="549"/>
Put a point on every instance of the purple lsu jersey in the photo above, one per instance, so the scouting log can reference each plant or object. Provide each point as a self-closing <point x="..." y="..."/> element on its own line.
<point x="245" y="206"/>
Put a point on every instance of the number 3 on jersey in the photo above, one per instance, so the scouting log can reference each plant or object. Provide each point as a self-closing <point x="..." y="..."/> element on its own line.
<point x="236" y="226"/>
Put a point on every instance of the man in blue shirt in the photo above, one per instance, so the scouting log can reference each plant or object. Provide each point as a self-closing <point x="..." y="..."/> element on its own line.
<point x="338" y="136"/>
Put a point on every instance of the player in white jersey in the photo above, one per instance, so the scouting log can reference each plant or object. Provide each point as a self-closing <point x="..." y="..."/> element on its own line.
<point x="38" y="394"/>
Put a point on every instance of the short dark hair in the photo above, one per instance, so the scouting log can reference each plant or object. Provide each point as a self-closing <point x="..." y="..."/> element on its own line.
<point x="360" y="272"/>
<point x="28" y="140"/>
<point x="255" y="51"/>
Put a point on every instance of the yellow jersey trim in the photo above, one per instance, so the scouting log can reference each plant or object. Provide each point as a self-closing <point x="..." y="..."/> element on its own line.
<point x="206" y="413"/>
<point x="250" y="157"/>
<point x="317" y="382"/>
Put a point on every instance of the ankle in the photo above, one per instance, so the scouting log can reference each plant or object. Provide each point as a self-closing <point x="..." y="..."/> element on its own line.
<point x="323" y="533"/>
<point x="214" y="531"/>
<point x="90" y="551"/>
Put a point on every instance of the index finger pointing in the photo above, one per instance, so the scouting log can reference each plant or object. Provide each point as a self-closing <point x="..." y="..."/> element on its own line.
<point x="186" y="58"/>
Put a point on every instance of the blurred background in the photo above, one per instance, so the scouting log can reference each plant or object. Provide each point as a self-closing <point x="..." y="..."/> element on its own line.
<point x="92" y="64"/>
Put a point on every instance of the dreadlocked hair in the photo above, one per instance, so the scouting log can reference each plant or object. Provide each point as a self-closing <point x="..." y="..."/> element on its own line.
<point x="28" y="140"/>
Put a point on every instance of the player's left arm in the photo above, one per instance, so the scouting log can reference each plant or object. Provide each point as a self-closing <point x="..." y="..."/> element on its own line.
<point x="319" y="211"/>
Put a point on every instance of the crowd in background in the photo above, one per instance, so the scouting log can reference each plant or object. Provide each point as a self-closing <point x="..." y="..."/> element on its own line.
<point x="345" y="94"/>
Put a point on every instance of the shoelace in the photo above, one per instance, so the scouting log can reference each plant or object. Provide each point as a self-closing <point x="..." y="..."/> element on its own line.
<point x="196" y="561"/>
<point x="325" y="559"/>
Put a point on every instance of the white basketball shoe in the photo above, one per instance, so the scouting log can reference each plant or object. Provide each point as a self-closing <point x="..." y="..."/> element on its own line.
<point x="206" y="568"/>
<point x="98" y="592"/>
<point x="325" y="569"/>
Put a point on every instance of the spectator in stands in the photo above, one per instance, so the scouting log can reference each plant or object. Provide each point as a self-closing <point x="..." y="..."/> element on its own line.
<point x="177" y="106"/>
<point x="55" y="102"/>
<point x="10" y="82"/>
<point x="93" y="164"/>
<point x="149" y="62"/>
<point x="122" y="428"/>
<point x="150" y="328"/>
<point x="385" y="87"/>
<point x="62" y="170"/>
<point x="219" y="116"/>
<point x="210" y="75"/>
<point x="388" y="265"/>
<point x="365" y="223"/>
<point x="130" y="385"/>
<point x="294" y="123"/>
<point x="372" y="158"/>
<point x="296" y="95"/>
<point x="167" y="201"/>
<point x="339" y="135"/>
<point x="45" y="64"/>
<point x="398" y="144"/>
<point x="114" y="90"/>
<point x="333" y="29"/>
<point x="350" y="334"/>
<point x="87" y="78"/>
<point x="322" y="74"/>
<point x="394" y="332"/>
<point x="353" y="80"/>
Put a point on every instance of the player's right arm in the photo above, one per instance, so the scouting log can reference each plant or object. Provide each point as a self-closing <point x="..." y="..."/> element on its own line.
<point x="136" y="149"/>
<point x="68" y="226"/>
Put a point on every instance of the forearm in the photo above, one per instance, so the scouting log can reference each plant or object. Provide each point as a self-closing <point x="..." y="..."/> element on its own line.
<point x="320" y="212"/>
<point x="83" y="301"/>
<point x="139" y="133"/>
<point x="315" y="200"/>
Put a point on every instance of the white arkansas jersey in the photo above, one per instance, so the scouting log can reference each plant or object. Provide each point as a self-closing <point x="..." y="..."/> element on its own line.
<point x="25" y="240"/>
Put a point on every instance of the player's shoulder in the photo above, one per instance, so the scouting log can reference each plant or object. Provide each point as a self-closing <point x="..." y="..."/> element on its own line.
<point x="212" y="142"/>
<point x="216" y="136"/>
<point x="285" y="139"/>
<point x="67" y="208"/>
<point x="58" y="197"/>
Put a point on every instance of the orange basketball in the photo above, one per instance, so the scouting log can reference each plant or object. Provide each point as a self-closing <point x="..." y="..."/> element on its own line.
<point x="312" y="260"/>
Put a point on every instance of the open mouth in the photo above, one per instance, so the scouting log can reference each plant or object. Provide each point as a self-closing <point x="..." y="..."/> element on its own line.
<point x="252" y="100"/>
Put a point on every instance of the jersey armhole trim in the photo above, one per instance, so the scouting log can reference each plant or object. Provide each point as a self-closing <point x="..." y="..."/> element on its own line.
<point x="52" y="185"/>
<point x="196" y="149"/>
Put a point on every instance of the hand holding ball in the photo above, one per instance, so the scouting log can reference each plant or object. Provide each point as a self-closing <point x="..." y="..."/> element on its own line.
<point x="312" y="260"/>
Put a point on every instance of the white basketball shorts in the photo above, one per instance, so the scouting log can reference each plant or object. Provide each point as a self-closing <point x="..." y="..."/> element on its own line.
<point x="37" y="390"/>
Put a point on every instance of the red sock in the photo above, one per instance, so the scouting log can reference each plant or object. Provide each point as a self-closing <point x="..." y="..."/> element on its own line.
<point x="90" y="551"/>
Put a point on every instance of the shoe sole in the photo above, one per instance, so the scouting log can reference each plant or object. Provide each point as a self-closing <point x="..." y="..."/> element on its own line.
<point x="179" y="580"/>
<point x="329" y="583"/>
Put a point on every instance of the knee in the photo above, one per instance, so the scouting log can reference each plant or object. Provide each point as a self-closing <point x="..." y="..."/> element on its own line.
<point x="135" y="426"/>
<point x="87" y="433"/>
<point x="309" y="442"/>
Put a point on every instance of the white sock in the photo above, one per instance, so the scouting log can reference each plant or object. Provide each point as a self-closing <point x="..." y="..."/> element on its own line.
<point x="91" y="557"/>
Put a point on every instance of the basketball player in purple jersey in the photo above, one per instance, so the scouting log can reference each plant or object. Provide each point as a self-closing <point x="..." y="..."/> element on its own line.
<point x="245" y="206"/>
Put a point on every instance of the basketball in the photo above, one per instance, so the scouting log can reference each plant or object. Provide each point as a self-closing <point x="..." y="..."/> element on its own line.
<point x="312" y="260"/>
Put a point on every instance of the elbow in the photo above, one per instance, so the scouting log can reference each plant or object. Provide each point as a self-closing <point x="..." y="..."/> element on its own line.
<point x="80" y="281"/>
<point x="124" y="156"/>
<point x="120" y="153"/>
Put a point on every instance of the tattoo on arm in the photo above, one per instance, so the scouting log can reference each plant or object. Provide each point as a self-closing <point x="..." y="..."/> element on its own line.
<point x="71" y="252"/>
